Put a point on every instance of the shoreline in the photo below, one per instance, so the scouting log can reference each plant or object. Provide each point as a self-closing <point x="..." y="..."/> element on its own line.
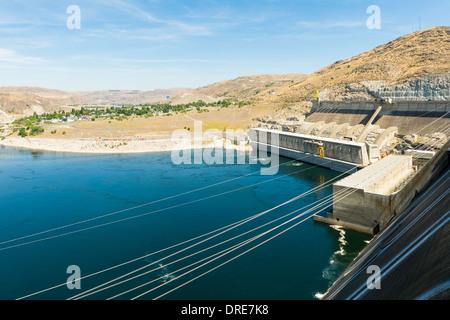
<point x="114" y="146"/>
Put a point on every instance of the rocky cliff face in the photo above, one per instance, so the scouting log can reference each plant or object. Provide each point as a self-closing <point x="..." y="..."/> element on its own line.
<point x="434" y="87"/>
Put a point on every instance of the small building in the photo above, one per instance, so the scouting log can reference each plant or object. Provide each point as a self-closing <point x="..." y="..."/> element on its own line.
<point x="70" y="119"/>
<point x="86" y="117"/>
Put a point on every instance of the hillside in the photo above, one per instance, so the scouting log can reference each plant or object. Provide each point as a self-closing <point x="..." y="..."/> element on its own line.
<point x="128" y="96"/>
<point x="403" y="61"/>
<point x="22" y="101"/>
<point x="242" y="88"/>
<point x="51" y="95"/>
<point x="14" y="104"/>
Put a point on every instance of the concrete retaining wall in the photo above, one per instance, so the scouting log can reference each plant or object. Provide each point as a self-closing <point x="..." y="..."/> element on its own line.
<point x="370" y="212"/>
<point x="401" y="199"/>
<point x="369" y="203"/>
<point x="408" y="117"/>
<point x="347" y="151"/>
<point x="391" y="179"/>
<point x="339" y="155"/>
<point x="403" y="108"/>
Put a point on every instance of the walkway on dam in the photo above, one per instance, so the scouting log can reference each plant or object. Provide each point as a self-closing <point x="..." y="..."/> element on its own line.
<point x="411" y="254"/>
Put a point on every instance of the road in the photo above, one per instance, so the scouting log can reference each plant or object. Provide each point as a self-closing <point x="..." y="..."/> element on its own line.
<point x="407" y="260"/>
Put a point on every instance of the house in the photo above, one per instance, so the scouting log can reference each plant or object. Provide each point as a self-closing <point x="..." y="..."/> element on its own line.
<point x="70" y="119"/>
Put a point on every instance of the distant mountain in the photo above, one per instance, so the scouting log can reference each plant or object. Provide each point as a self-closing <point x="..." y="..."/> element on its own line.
<point x="51" y="95"/>
<point x="14" y="104"/>
<point x="129" y="96"/>
<point x="24" y="101"/>
<point x="242" y="88"/>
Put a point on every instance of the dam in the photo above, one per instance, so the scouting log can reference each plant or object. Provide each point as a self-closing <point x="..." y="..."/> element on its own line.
<point x="407" y="116"/>
<point x="338" y="155"/>
<point x="368" y="191"/>
<point x="389" y="148"/>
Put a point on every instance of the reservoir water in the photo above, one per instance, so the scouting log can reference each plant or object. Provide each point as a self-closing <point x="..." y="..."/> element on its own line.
<point x="59" y="210"/>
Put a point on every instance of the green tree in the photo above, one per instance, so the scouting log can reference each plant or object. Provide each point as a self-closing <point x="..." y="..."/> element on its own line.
<point x="36" y="130"/>
<point x="23" y="132"/>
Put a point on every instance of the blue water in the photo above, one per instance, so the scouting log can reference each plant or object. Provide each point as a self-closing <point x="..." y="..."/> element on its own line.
<point x="40" y="191"/>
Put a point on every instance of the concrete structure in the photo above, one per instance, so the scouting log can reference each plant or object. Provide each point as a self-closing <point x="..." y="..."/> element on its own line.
<point x="407" y="116"/>
<point x="339" y="155"/>
<point x="373" y="200"/>
<point x="379" y="177"/>
<point x="376" y="193"/>
<point x="412" y="252"/>
<point x="369" y="127"/>
<point x="421" y="154"/>
<point x="403" y="108"/>
<point x="362" y="200"/>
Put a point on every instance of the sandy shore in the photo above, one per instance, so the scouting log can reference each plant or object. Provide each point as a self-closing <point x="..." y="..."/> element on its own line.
<point x="100" y="146"/>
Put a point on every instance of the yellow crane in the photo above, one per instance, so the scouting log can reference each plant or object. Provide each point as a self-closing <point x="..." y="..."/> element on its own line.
<point x="321" y="151"/>
<point x="316" y="96"/>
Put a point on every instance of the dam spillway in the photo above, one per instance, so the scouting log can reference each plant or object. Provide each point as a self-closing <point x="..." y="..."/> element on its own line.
<point x="407" y="116"/>
<point x="338" y="155"/>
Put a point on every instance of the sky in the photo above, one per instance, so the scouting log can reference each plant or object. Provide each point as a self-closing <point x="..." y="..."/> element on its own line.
<point x="157" y="44"/>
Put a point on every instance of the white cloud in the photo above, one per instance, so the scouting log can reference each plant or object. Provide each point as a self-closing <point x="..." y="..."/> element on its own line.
<point x="318" y="25"/>
<point x="10" y="56"/>
<point x="176" y="26"/>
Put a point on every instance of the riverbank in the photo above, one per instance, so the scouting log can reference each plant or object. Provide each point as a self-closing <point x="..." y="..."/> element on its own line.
<point x="120" y="145"/>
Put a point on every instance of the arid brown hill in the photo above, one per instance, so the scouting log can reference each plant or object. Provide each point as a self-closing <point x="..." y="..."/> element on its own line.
<point x="242" y="88"/>
<point x="411" y="56"/>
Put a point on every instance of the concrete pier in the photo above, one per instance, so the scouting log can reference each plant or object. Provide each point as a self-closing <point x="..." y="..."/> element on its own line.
<point x="377" y="194"/>
<point x="362" y="200"/>
<point x="339" y="155"/>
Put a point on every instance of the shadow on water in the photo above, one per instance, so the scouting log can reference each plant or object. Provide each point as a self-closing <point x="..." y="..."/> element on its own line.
<point x="36" y="154"/>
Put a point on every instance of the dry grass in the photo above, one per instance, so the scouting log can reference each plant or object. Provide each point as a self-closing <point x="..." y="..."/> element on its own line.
<point x="225" y="118"/>
<point x="242" y="88"/>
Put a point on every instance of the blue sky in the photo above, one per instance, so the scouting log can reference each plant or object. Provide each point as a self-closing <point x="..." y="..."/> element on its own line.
<point x="154" y="44"/>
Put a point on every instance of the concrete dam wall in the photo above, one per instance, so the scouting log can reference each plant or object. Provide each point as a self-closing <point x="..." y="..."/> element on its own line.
<point x="339" y="155"/>
<point x="407" y="116"/>
<point x="370" y="189"/>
